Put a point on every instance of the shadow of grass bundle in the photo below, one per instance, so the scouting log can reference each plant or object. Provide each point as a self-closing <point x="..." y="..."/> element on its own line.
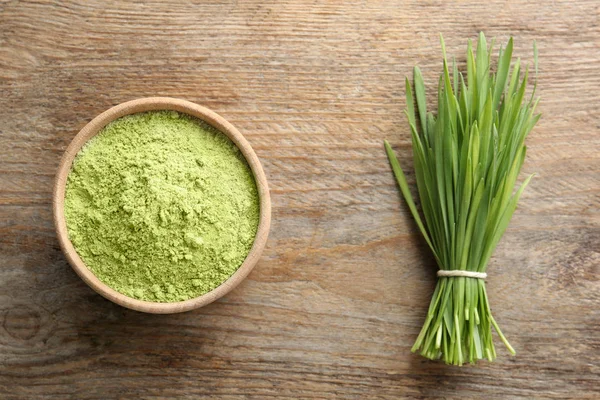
<point x="466" y="161"/>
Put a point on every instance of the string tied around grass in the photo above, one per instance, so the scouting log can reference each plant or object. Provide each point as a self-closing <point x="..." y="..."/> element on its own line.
<point x="458" y="272"/>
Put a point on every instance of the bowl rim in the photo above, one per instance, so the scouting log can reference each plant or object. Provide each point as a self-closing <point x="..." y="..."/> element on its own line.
<point x="155" y="104"/>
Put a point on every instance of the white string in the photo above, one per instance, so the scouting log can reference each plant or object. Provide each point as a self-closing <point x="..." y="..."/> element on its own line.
<point x="458" y="272"/>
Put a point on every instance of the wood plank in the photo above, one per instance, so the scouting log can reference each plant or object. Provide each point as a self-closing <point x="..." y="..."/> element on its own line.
<point x="340" y="294"/>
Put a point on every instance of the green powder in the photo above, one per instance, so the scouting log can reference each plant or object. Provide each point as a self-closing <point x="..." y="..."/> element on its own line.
<point x="161" y="206"/>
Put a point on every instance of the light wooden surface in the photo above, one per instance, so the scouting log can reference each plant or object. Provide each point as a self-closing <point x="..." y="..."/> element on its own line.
<point x="341" y="291"/>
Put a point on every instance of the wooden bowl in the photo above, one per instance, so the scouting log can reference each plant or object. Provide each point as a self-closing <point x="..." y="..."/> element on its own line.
<point x="210" y="117"/>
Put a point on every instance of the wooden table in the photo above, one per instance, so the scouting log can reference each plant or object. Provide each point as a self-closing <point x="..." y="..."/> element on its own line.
<point x="341" y="291"/>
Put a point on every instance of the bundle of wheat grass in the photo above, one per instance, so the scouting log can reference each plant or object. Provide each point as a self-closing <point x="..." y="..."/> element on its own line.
<point x="466" y="161"/>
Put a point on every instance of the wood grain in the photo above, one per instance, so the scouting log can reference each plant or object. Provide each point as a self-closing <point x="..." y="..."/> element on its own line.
<point x="341" y="291"/>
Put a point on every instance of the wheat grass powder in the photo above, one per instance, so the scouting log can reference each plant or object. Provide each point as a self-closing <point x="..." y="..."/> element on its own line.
<point x="161" y="206"/>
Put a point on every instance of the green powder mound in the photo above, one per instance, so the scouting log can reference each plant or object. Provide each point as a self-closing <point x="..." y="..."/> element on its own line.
<point x="161" y="206"/>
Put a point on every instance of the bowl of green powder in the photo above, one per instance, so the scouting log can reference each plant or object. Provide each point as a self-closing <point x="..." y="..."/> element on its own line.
<point x="161" y="205"/>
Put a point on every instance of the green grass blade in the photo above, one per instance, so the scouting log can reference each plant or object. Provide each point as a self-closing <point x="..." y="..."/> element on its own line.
<point x="401" y="179"/>
<point x="420" y="95"/>
<point x="502" y="72"/>
<point x="535" y="56"/>
<point x="410" y="107"/>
